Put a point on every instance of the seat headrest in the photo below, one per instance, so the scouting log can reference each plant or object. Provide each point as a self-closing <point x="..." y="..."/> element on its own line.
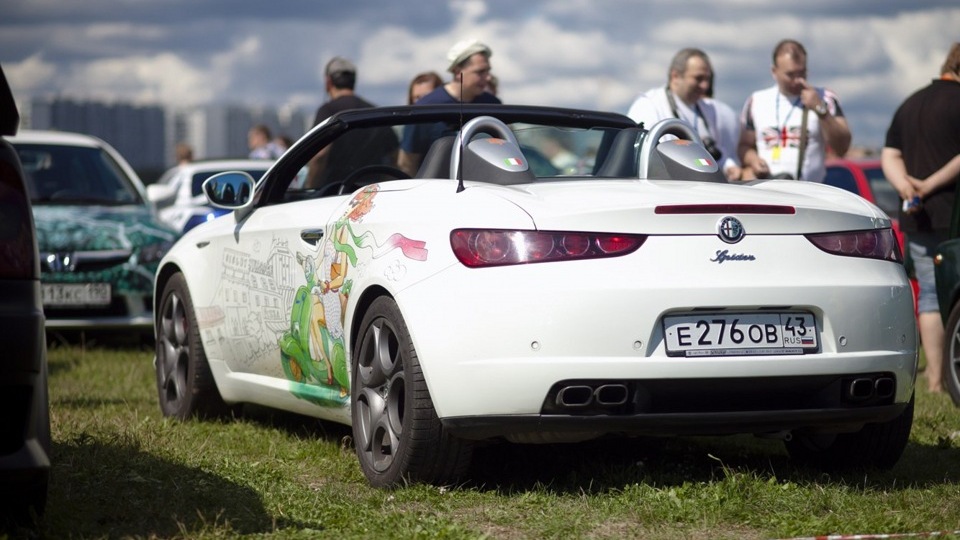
<point x="436" y="162"/>
<point x="622" y="158"/>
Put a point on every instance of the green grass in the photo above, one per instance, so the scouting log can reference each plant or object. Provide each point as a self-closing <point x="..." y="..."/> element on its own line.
<point x="122" y="470"/>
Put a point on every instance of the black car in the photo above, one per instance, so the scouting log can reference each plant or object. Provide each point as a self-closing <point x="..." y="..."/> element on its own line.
<point x="25" y="422"/>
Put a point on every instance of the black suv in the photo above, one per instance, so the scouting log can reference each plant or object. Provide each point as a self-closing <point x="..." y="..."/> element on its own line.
<point x="25" y="418"/>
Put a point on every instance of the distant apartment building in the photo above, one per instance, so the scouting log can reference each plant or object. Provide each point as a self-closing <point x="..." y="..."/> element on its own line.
<point x="146" y="135"/>
<point x="136" y="131"/>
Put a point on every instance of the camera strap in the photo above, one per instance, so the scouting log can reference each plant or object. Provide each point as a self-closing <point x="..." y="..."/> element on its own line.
<point x="803" y="142"/>
<point x="696" y="109"/>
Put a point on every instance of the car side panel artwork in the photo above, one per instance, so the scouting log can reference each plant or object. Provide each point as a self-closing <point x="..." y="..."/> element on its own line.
<point x="299" y="287"/>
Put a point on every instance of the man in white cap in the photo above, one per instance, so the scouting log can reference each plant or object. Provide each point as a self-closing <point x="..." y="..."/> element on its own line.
<point x="469" y="62"/>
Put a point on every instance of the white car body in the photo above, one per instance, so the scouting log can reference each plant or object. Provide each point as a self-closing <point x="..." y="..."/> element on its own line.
<point x="178" y="198"/>
<point x="554" y="351"/>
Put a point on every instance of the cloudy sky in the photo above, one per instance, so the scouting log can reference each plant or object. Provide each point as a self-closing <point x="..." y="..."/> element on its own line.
<point x="574" y="53"/>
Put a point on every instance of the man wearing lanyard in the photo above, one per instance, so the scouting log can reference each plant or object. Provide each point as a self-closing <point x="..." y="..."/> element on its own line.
<point x="785" y="130"/>
<point x="689" y="80"/>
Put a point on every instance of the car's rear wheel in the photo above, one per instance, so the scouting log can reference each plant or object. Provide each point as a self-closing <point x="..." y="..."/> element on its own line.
<point x="397" y="433"/>
<point x="184" y="383"/>
<point x="876" y="446"/>
<point x="951" y="356"/>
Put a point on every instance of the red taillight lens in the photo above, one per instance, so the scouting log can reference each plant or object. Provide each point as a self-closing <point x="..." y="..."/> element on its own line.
<point x="480" y="248"/>
<point x="872" y="244"/>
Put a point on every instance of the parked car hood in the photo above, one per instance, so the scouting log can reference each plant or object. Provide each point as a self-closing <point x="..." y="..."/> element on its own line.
<point x="97" y="228"/>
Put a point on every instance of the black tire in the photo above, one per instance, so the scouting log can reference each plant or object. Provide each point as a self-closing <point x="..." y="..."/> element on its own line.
<point x="184" y="383"/>
<point x="951" y="355"/>
<point x="876" y="446"/>
<point x="396" y="431"/>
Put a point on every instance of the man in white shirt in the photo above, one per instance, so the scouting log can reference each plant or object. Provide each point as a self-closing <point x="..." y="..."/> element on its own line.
<point x="785" y="129"/>
<point x="689" y="80"/>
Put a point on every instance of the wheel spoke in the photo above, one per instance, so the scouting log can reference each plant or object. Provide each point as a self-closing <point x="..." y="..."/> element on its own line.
<point x="179" y="318"/>
<point x="386" y="443"/>
<point x="368" y="365"/>
<point x="388" y="350"/>
<point x="371" y="408"/>
<point x="394" y="404"/>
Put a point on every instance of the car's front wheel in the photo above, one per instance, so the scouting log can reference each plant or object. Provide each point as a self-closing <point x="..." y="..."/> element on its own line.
<point x="396" y="431"/>
<point x="951" y="355"/>
<point x="184" y="382"/>
<point x="876" y="446"/>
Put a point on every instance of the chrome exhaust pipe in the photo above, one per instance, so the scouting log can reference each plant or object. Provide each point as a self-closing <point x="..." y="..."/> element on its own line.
<point x="611" y="395"/>
<point x="575" y="396"/>
<point x="860" y="389"/>
<point x="885" y="387"/>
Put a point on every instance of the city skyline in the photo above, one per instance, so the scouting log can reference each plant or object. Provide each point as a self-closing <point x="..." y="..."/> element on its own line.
<point x="597" y="54"/>
<point x="146" y="135"/>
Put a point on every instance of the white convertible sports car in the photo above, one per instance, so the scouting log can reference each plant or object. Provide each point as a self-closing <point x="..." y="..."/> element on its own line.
<point x="499" y="295"/>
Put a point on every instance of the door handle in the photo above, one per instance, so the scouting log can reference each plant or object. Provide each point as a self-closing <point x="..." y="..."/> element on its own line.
<point x="312" y="236"/>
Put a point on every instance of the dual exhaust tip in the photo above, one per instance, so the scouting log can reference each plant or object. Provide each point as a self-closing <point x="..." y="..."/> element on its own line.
<point x="864" y="388"/>
<point x="582" y="396"/>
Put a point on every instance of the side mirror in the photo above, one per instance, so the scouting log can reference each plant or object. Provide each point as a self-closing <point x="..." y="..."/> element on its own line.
<point x="230" y="190"/>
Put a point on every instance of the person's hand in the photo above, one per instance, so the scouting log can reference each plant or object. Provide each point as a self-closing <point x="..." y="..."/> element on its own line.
<point x="733" y="173"/>
<point x="760" y="168"/>
<point x="809" y="96"/>
<point x="912" y="188"/>
<point x="918" y="187"/>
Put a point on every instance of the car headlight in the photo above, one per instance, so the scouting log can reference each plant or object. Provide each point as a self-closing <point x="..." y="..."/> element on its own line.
<point x="154" y="252"/>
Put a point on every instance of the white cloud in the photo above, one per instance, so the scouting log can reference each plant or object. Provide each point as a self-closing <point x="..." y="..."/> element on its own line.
<point x="162" y="78"/>
<point x="30" y="75"/>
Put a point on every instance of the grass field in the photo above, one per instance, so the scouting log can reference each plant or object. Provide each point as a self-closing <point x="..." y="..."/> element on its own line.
<point x="121" y="470"/>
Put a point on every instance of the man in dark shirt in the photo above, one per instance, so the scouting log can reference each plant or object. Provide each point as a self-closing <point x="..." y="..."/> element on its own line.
<point x="470" y="66"/>
<point x="921" y="159"/>
<point x="357" y="148"/>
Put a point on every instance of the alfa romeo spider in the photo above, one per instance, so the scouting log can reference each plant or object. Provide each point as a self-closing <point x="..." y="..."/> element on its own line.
<point x="493" y="294"/>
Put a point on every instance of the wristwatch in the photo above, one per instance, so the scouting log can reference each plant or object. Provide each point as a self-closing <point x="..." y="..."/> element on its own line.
<point x="821" y="109"/>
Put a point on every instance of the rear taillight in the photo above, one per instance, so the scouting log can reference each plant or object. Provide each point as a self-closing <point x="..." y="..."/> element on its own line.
<point x="18" y="258"/>
<point x="482" y="247"/>
<point x="872" y="244"/>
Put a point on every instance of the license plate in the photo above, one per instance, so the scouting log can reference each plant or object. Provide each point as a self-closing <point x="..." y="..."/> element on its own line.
<point x="76" y="294"/>
<point x="737" y="334"/>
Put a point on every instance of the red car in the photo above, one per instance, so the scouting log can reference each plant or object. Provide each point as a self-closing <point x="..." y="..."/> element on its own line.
<point x="865" y="178"/>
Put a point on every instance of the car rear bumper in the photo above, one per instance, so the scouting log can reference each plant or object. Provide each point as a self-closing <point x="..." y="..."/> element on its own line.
<point x="547" y="428"/>
<point x="700" y="406"/>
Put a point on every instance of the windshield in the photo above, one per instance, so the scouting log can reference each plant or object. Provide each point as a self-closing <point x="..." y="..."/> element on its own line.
<point x="557" y="151"/>
<point x="61" y="174"/>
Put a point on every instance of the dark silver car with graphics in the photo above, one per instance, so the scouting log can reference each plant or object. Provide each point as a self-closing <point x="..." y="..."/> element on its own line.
<point x="99" y="238"/>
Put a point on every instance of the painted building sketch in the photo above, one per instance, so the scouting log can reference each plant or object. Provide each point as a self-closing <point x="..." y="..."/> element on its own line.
<point x="249" y="307"/>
